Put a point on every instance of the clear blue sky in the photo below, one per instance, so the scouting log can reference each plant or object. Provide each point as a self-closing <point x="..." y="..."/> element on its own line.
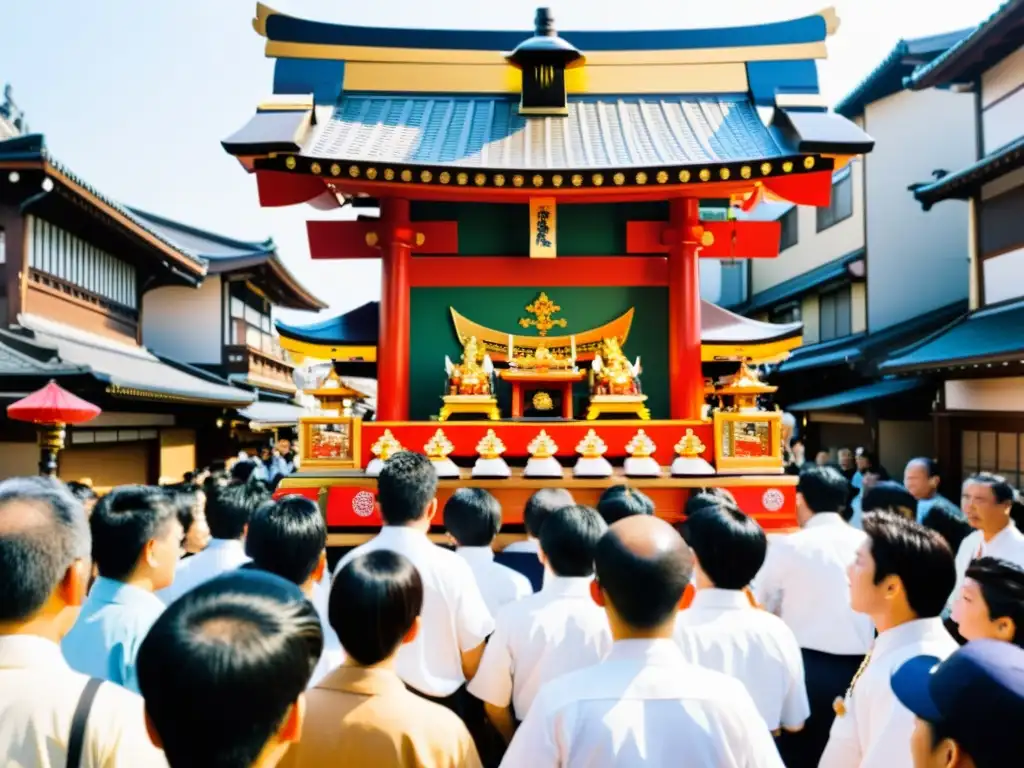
<point x="135" y="95"/>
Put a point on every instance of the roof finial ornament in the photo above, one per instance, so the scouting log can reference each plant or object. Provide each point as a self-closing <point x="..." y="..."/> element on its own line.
<point x="544" y="23"/>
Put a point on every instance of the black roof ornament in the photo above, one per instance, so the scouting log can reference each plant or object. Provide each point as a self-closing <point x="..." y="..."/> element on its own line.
<point x="543" y="60"/>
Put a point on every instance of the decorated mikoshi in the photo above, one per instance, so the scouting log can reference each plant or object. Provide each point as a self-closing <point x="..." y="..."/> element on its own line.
<point x="610" y="164"/>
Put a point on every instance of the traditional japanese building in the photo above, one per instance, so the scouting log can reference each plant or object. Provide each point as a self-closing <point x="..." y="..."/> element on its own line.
<point x="225" y="326"/>
<point x="870" y="273"/>
<point x="979" y="358"/>
<point x="541" y="206"/>
<point x="76" y="267"/>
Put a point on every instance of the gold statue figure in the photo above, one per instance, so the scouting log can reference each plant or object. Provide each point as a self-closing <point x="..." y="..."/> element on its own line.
<point x="613" y="373"/>
<point x="473" y="375"/>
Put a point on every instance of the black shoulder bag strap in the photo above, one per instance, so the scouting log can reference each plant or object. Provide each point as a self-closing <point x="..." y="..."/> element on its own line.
<point x="76" y="741"/>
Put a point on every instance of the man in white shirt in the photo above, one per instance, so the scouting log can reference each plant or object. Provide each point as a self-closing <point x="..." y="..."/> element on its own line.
<point x="722" y="630"/>
<point x="288" y="538"/>
<point x="987" y="501"/>
<point x="644" y="704"/>
<point x="557" y="630"/>
<point x="227" y="511"/>
<point x="541" y="504"/>
<point x="901" y="578"/>
<point x="455" y="621"/>
<point x="804" y="581"/>
<point x="472" y="517"/>
<point x="44" y="570"/>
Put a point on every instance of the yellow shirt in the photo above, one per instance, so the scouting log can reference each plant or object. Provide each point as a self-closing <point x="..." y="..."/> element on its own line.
<point x="367" y="717"/>
<point x="38" y="696"/>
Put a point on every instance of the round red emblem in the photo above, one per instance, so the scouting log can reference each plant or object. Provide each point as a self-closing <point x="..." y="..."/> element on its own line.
<point x="362" y="503"/>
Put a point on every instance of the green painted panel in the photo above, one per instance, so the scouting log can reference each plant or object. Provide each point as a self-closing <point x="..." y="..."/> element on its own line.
<point x="433" y="335"/>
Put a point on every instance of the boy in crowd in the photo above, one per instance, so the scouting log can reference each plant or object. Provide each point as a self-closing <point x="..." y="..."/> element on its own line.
<point x="472" y="517"/>
<point x="228" y="510"/>
<point x="901" y="578"/>
<point x="968" y="708"/>
<point x="362" y="713"/>
<point x="721" y="630"/>
<point x="644" y="704"/>
<point x="50" y="715"/>
<point x="541" y="504"/>
<point x="136" y="543"/>
<point x="437" y="662"/>
<point x="288" y="538"/>
<point x="223" y="671"/>
<point x="991" y="602"/>
<point x="545" y="635"/>
<point x="621" y="501"/>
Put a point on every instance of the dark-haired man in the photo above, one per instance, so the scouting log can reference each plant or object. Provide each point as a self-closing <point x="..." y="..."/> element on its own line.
<point x="804" y="581"/>
<point x="541" y="504"/>
<point x="987" y="502"/>
<point x="901" y="578"/>
<point x="44" y="569"/>
<point x="136" y="542"/>
<point x="223" y="671"/>
<point x="619" y="501"/>
<point x="721" y="630"/>
<point x="545" y="635"/>
<point x="362" y="713"/>
<point x="644" y="704"/>
<point x="288" y="538"/>
<point x="968" y="709"/>
<point x="228" y="510"/>
<point x="439" y="661"/>
<point x="472" y="517"/>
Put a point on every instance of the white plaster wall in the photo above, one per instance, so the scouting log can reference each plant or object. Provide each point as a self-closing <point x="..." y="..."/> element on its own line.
<point x="1004" y="276"/>
<point x="1002" y="102"/>
<point x="184" y="324"/>
<point x="986" y="394"/>
<point x="917" y="261"/>
<point x="814" y="248"/>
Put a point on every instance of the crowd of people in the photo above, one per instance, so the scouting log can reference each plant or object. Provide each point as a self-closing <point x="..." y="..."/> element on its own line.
<point x="200" y="625"/>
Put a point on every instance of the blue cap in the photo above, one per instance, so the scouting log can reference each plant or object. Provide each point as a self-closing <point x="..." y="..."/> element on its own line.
<point x="976" y="696"/>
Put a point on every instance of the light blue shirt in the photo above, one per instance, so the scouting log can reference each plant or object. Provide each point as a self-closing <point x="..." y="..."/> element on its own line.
<point x="105" y="640"/>
<point x="923" y="507"/>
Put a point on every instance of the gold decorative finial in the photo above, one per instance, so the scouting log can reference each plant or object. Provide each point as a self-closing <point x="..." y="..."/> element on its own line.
<point x="690" y="447"/>
<point x="438" y="447"/>
<point x="543" y="308"/>
<point x="591" y="446"/>
<point x="641" y="446"/>
<point x="542" y="446"/>
<point x="386" y="446"/>
<point x="490" y="446"/>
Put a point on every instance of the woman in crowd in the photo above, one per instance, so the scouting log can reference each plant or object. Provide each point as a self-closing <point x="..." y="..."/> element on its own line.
<point x="190" y="503"/>
<point x="991" y="602"/>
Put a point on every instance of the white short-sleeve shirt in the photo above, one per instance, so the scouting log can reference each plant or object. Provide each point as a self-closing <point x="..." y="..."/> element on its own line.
<point x="538" y="638"/>
<point x="39" y="693"/>
<point x="722" y="631"/>
<point x="875" y="730"/>
<point x="643" y="705"/>
<point x="804" y="581"/>
<point x="1007" y="545"/>
<point x="220" y="556"/>
<point x="499" y="584"/>
<point x="454" y="617"/>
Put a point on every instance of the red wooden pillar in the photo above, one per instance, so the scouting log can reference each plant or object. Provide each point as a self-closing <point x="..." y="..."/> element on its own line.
<point x="686" y="379"/>
<point x="396" y="241"/>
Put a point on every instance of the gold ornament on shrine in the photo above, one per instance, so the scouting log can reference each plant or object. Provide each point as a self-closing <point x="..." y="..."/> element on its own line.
<point x="592" y="462"/>
<point x="690" y="446"/>
<point x="490" y="446"/>
<point x="542" y="308"/>
<point x="591" y="446"/>
<point x="437" y="449"/>
<point x="641" y="446"/>
<point x="386" y="446"/>
<point x="689" y="460"/>
<point x="641" y="461"/>
<point x="542" y="446"/>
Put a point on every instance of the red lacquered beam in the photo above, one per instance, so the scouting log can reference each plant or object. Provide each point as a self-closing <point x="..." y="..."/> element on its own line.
<point x="732" y="239"/>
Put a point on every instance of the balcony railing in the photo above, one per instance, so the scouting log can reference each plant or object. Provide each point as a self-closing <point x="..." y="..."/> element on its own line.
<point x="259" y="367"/>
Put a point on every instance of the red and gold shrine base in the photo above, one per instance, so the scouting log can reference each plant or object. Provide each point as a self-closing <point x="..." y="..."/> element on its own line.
<point x="516" y="435"/>
<point x="347" y="497"/>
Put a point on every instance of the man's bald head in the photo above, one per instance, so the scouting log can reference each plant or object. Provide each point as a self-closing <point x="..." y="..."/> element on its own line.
<point x="643" y="566"/>
<point x="43" y="530"/>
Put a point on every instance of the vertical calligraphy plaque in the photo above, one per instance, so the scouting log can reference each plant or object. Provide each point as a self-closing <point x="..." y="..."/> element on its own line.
<point x="543" y="243"/>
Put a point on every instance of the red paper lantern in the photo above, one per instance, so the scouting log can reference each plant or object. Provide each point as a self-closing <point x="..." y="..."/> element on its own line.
<point x="52" y="405"/>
